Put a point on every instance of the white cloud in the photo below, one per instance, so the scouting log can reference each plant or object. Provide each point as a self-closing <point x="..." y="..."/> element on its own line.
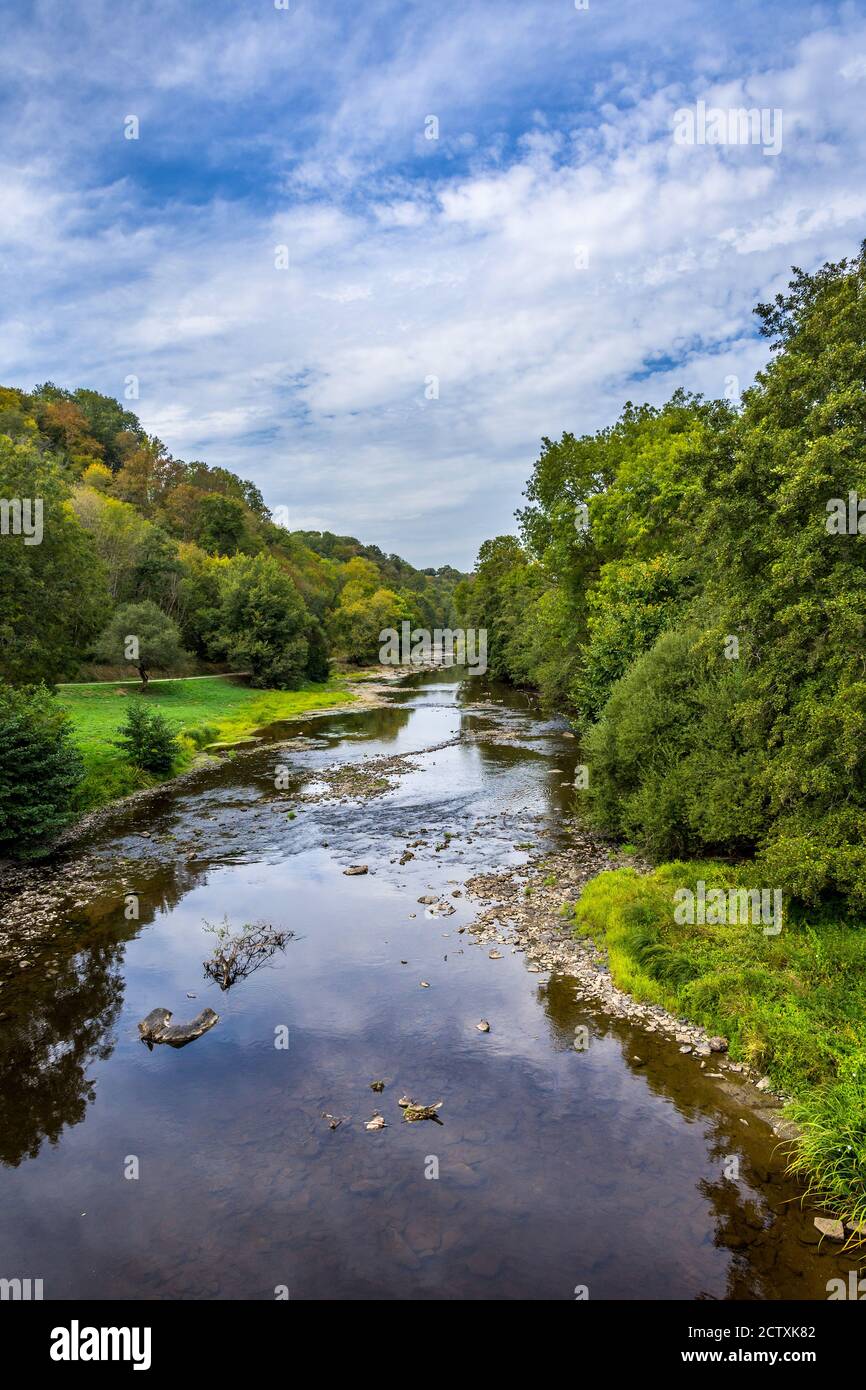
<point x="312" y="380"/>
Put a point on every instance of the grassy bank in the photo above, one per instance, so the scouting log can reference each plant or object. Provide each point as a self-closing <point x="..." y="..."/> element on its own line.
<point x="200" y="711"/>
<point x="792" y="1004"/>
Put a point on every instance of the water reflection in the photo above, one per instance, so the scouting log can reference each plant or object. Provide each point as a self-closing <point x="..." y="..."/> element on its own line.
<point x="606" y="1167"/>
<point x="53" y="1031"/>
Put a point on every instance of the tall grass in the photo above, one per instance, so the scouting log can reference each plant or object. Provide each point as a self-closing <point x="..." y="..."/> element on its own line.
<point x="793" y="1005"/>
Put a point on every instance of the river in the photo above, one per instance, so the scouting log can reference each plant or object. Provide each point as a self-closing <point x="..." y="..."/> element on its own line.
<point x="210" y="1171"/>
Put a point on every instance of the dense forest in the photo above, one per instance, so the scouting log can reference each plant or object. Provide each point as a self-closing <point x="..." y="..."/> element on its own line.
<point x="690" y="584"/>
<point x="185" y="556"/>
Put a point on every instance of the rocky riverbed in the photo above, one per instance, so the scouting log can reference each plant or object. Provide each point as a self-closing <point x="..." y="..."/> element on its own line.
<point x="529" y="913"/>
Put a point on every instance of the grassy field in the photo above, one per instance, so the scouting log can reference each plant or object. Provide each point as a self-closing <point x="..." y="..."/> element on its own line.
<point x="792" y="1004"/>
<point x="201" y="710"/>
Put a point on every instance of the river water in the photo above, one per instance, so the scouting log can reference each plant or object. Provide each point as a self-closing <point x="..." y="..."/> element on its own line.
<point x="209" y="1171"/>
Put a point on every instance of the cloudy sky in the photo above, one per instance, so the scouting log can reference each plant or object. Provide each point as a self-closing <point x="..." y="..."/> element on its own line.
<point x="553" y="253"/>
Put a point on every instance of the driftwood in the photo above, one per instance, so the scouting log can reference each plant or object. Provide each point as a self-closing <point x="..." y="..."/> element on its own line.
<point x="158" y="1028"/>
<point x="238" y="954"/>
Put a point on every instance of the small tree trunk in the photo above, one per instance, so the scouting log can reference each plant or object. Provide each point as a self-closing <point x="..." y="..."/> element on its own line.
<point x="143" y="674"/>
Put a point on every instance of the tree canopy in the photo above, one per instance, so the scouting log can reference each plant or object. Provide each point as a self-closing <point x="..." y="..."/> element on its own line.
<point x="680" y="589"/>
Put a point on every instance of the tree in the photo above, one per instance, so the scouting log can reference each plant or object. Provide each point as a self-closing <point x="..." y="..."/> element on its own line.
<point x="68" y="430"/>
<point x="97" y="476"/>
<point x="158" y="570"/>
<point x="199" y="600"/>
<point x="318" y="666"/>
<point x="361" y="578"/>
<point x="360" y="618"/>
<point x="263" y="622"/>
<point x="118" y="533"/>
<point x="142" y="634"/>
<point x="148" y="471"/>
<point x="54" y="589"/>
<point x="40" y="768"/>
<point x="220" y="524"/>
<point x="494" y="599"/>
<point x="146" y="738"/>
<point x="105" y="418"/>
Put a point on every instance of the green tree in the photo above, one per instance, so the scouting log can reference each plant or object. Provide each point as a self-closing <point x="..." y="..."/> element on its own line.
<point x="497" y="598"/>
<point x="147" y="739"/>
<point x="54" y="594"/>
<point x="221" y="524"/>
<point x="142" y="634"/>
<point x="318" y="666"/>
<point x="40" y="768"/>
<point x="359" y="619"/>
<point x="199" y="601"/>
<point x="118" y="533"/>
<point x="263" y="622"/>
<point x="158" y="571"/>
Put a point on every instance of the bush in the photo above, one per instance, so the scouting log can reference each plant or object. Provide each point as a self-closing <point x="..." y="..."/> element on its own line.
<point x="147" y="739"/>
<point x="40" y="768"/>
<point x="670" y="765"/>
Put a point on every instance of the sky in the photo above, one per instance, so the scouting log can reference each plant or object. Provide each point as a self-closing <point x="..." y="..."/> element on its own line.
<point x="369" y="255"/>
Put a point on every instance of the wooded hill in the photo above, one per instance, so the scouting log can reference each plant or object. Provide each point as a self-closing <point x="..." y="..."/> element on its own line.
<point x="190" y="549"/>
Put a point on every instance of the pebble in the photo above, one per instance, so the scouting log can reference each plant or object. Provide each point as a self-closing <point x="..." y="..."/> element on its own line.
<point x="833" y="1230"/>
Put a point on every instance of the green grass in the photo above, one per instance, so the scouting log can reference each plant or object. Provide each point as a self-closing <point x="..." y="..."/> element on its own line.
<point x="202" y="711"/>
<point x="792" y="1005"/>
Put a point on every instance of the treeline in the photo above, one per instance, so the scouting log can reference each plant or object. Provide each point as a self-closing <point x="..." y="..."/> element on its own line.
<point x="184" y="556"/>
<point x="690" y="584"/>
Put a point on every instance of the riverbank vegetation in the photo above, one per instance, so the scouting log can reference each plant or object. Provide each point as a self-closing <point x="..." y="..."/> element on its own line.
<point x="792" y="1004"/>
<point x="678" y="587"/>
<point x="117" y="559"/>
<point x="689" y="584"/>
<point x="198" y="711"/>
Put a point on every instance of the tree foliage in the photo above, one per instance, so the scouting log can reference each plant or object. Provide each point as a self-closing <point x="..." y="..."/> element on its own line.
<point x="40" y="769"/>
<point x="699" y="617"/>
<point x="146" y="739"/>
<point x="125" y="522"/>
<point x="263" y="622"/>
<point x="53" y="596"/>
<point x="143" y="635"/>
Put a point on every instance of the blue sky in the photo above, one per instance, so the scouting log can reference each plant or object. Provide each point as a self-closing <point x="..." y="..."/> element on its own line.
<point x="409" y="258"/>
